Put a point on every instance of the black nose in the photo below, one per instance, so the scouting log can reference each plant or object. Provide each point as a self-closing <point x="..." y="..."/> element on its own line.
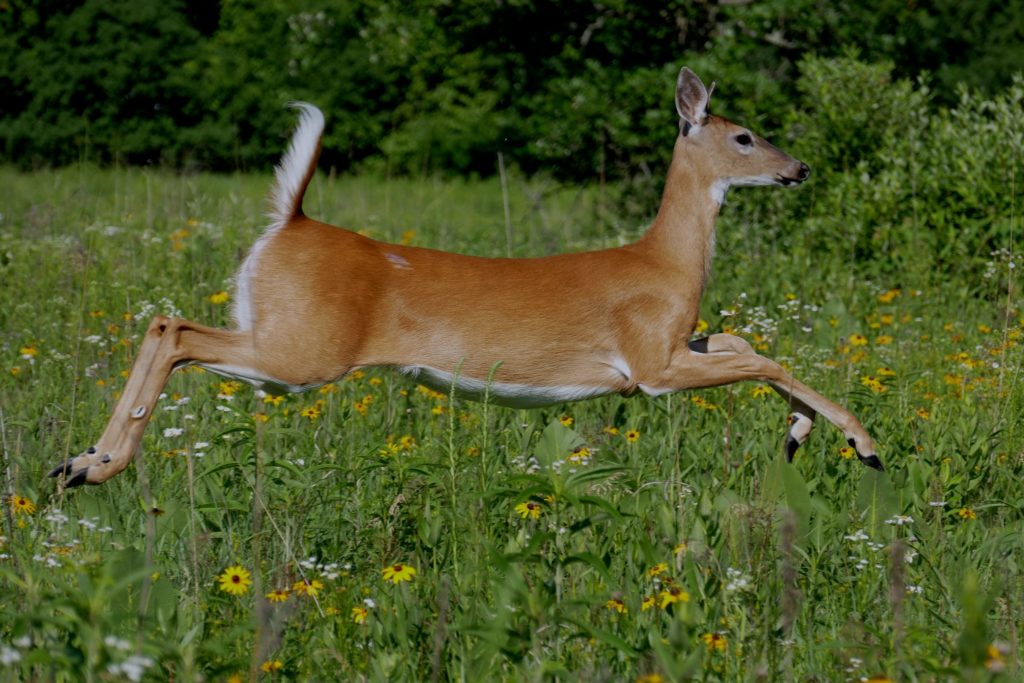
<point x="805" y="171"/>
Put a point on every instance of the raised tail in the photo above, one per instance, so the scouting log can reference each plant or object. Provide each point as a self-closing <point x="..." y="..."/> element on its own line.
<point x="296" y="169"/>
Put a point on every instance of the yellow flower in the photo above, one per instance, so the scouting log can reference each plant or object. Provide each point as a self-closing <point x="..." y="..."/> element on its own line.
<point x="647" y="603"/>
<point x="672" y="595"/>
<point x="617" y="605"/>
<point x="271" y="665"/>
<point x="566" y="421"/>
<point x="311" y="413"/>
<point x="279" y="595"/>
<point x="858" y="340"/>
<point x="21" y="505"/>
<point x="235" y="678"/>
<point x="885" y="372"/>
<point x="308" y="587"/>
<point x="886" y="319"/>
<point x="702" y="402"/>
<point x="229" y="388"/>
<point x="397" y="573"/>
<point x="658" y="569"/>
<point x="984" y="329"/>
<point x="28" y="352"/>
<point x="260" y="417"/>
<point x="273" y="400"/>
<point x="218" y="298"/>
<point x="966" y="513"/>
<point x="847" y="453"/>
<point x="529" y="509"/>
<point x="611" y="430"/>
<point x="235" y="580"/>
<point x="15" y="371"/>
<point x="632" y="436"/>
<point x="359" y="614"/>
<point x="407" y="442"/>
<point x="874" y="384"/>
<point x="408" y="236"/>
<point x="761" y="390"/>
<point x="883" y="339"/>
<point x="702" y="326"/>
<point x="715" y="641"/>
<point x="650" y="678"/>
<point x="923" y="414"/>
<point x="679" y="549"/>
<point x="888" y="296"/>
<point x="579" y="455"/>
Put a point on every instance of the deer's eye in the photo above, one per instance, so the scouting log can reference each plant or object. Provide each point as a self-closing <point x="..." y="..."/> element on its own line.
<point x="744" y="139"/>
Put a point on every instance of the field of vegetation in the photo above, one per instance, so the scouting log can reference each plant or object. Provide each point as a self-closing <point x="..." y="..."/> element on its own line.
<point x="378" y="530"/>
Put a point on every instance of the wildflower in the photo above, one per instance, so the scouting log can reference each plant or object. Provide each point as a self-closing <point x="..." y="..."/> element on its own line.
<point x="715" y="641"/>
<point x="847" y="453"/>
<point x="271" y="665"/>
<point x="647" y="603"/>
<point x="566" y="420"/>
<point x="279" y="595"/>
<point x="617" y="605"/>
<point x="900" y="520"/>
<point x="874" y="384"/>
<point x="235" y="678"/>
<point x="260" y="417"/>
<point x="308" y="587"/>
<point x="995" y="654"/>
<point x="679" y="549"/>
<point x="21" y="505"/>
<point x="887" y="297"/>
<point x="967" y="513"/>
<point x="702" y="326"/>
<point x="858" y="340"/>
<point x="657" y="569"/>
<point x="28" y="352"/>
<point x="218" y="298"/>
<point x="984" y="329"/>
<point x="529" y="509"/>
<point x="273" y="400"/>
<point x="632" y="436"/>
<point x="611" y="430"/>
<point x="887" y="319"/>
<point x="671" y="596"/>
<point x="235" y="580"/>
<point x="883" y="339"/>
<point x="229" y="388"/>
<point x="407" y="442"/>
<point x="650" y="678"/>
<point x="359" y="614"/>
<point x="389" y="450"/>
<point x="437" y="410"/>
<point x="761" y="390"/>
<point x="397" y="573"/>
<point x="702" y="402"/>
<point x="407" y="237"/>
<point x="172" y="432"/>
<point x="923" y="414"/>
<point x="885" y="372"/>
<point x="311" y="413"/>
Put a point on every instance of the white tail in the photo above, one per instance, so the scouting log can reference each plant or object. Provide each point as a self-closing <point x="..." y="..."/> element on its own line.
<point x="316" y="301"/>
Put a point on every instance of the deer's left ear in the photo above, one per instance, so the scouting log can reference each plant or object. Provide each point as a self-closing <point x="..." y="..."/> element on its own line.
<point x="691" y="99"/>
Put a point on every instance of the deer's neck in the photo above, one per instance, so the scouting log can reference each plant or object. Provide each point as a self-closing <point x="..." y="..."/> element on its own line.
<point x="683" y="232"/>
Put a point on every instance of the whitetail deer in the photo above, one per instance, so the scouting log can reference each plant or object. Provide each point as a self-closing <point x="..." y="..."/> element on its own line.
<point x="315" y="302"/>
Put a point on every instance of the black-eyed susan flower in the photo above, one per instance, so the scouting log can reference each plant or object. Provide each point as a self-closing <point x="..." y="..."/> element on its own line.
<point x="858" y="340"/>
<point x="632" y="435"/>
<point x="235" y="580"/>
<point x="888" y="296"/>
<point x="566" y="420"/>
<point x="761" y="390"/>
<point x="218" y="298"/>
<point x="611" y="430"/>
<point x="311" y="413"/>
<point x="529" y="510"/>
<point x="279" y="595"/>
<point x="616" y="605"/>
<point x="883" y="340"/>
<point x="647" y="603"/>
<point x="271" y="665"/>
<point x="658" y="569"/>
<point x="360" y="614"/>
<point x="715" y="642"/>
<point x="650" y="678"/>
<point x="874" y="384"/>
<point x="967" y="514"/>
<point x="308" y="587"/>
<point x="672" y="595"/>
<point x="21" y="505"/>
<point x="397" y="573"/>
<point x="924" y="414"/>
<point x="847" y="453"/>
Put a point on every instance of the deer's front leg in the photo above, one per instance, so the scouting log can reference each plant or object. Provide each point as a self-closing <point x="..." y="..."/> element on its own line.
<point x="168" y="343"/>
<point x="691" y="369"/>
<point x="801" y="415"/>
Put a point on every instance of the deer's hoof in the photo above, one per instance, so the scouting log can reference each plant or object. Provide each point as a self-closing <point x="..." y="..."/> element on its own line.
<point x="871" y="460"/>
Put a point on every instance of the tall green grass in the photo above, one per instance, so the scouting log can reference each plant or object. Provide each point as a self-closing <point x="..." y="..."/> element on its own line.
<point x="617" y="539"/>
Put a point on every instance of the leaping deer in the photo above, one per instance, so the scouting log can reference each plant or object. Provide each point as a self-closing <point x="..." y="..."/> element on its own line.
<point x="314" y="302"/>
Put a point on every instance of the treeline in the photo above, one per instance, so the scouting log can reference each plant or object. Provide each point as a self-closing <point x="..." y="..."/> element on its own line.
<point x="582" y="89"/>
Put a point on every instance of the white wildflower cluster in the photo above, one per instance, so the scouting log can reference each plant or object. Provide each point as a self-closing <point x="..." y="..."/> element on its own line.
<point x="56" y="517"/>
<point x="900" y="520"/>
<point x="8" y="655"/>
<point x="736" y="580"/>
<point x="853" y="664"/>
<point x="528" y="463"/>
<point x="857" y="536"/>
<point x="330" y="571"/>
<point x="1002" y="261"/>
<point x="165" y="306"/>
<point x="171" y="432"/>
<point x="133" y="668"/>
<point x="183" y="401"/>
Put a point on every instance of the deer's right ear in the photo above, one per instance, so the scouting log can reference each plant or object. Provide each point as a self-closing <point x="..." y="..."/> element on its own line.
<point x="691" y="100"/>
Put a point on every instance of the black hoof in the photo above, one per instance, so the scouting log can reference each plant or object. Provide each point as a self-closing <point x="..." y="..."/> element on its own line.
<point x="872" y="461"/>
<point x="791" y="447"/>
<point x="77" y="480"/>
<point x="63" y="468"/>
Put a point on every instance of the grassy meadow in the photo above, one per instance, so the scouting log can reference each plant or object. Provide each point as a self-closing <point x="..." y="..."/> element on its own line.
<point x="377" y="530"/>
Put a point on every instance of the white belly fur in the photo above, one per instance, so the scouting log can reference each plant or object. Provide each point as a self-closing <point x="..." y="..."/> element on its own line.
<point x="501" y="393"/>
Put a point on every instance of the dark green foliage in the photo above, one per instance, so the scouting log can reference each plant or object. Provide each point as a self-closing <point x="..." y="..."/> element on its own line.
<point x="578" y="89"/>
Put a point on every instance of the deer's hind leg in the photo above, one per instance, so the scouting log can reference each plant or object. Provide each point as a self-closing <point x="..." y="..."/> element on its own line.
<point x="169" y="343"/>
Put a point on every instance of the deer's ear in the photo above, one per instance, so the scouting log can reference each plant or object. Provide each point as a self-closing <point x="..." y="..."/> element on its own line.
<point x="691" y="99"/>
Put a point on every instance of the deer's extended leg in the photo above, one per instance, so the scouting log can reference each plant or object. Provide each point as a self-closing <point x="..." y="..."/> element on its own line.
<point x="694" y="370"/>
<point x="169" y="343"/>
<point x="801" y="416"/>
